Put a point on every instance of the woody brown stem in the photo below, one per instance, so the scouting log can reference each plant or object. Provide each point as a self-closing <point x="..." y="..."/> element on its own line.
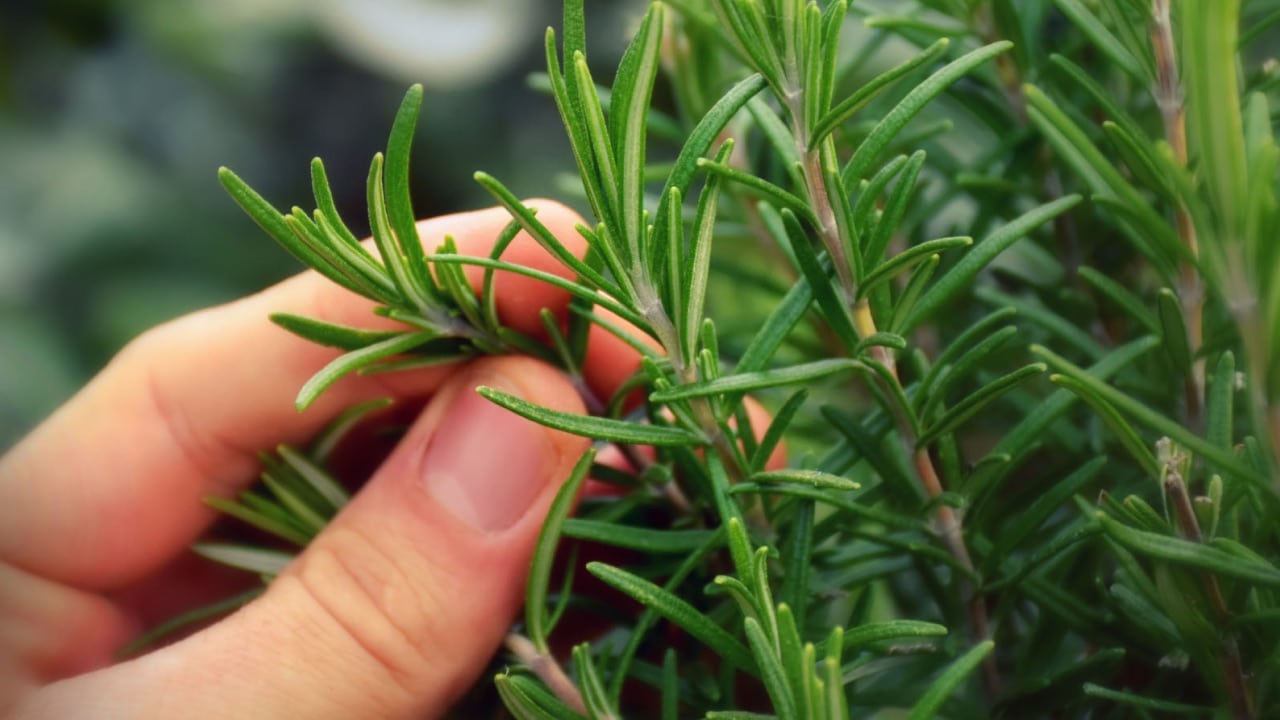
<point x="548" y="670"/>
<point x="947" y="521"/>
<point x="1168" y="96"/>
<point x="1233" y="673"/>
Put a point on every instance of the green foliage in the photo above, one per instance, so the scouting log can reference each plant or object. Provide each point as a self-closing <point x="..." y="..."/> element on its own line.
<point x="956" y="536"/>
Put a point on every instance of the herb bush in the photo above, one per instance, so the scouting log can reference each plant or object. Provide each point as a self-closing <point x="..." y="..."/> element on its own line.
<point x="1001" y="272"/>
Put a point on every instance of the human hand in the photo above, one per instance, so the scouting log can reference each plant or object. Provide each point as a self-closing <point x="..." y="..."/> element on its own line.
<point x="392" y="611"/>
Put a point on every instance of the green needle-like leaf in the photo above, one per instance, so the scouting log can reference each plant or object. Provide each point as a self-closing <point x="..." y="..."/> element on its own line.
<point x="1106" y="101"/>
<point x="325" y="204"/>
<point x="606" y="180"/>
<point x="1215" y="125"/>
<point x="1173" y="329"/>
<point x="637" y="538"/>
<point x="316" y="477"/>
<point x="1191" y="554"/>
<point x="535" y="607"/>
<point x="1123" y="297"/>
<point x="670" y="686"/>
<point x="932" y="390"/>
<point x="810" y="478"/>
<point x="525" y="216"/>
<point x="338" y="336"/>
<point x="775" y="329"/>
<point x="404" y="274"/>
<point x="699" y="142"/>
<point x="777" y="428"/>
<point x="1151" y="235"/>
<point x="892" y="123"/>
<point x="1164" y="707"/>
<point x="797" y="562"/>
<point x="946" y="683"/>
<point x="267" y="523"/>
<point x="398" y="200"/>
<point x="677" y="611"/>
<point x="865" y="94"/>
<point x="890" y="216"/>
<point x="1150" y="418"/>
<point x="253" y="559"/>
<point x="357" y="359"/>
<point x="983" y="253"/>
<point x="1106" y="42"/>
<point x="275" y="225"/>
<point x="594" y="697"/>
<point x="699" y="265"/>
<point x="1125" y="432"/>
<point x="910" y="295"/>
<point x="593" y="427"/>
<point x="747" y="382"/>
<point x="772" y="671"/>
<point x="814" y="269"/>
<point x="979" y="399"/>
<point x="869" y="192"/>
<point x="628" y="117"/>
<point x="760" y="188"/>
<point x="1048" y="502"/>
<point x="1220" y="402"/>
<point x="188" y="619"/>
<point x="889" y="630"/>
<point x="904" y="260"/>
<point x="518" y="696"/>
<point x="1140" y="159"/>
<point x="1071" y="335"/>
<point x="306" y="516"/>
<point x="577" y="289"/>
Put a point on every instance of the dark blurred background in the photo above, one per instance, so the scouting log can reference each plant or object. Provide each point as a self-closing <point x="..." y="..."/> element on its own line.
<point x="115" y="115"/>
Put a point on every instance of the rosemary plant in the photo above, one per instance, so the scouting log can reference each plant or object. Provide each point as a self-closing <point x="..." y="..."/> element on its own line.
<point x="889" y="222"/>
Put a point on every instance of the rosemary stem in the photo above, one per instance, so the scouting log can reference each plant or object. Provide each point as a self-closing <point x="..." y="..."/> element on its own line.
<point x="947" y="522"/>
<point x="548" y="670"/>
<point x="1168" y="96"/>
<point x="670" y="489"/>
<point x="1232" y="665"/>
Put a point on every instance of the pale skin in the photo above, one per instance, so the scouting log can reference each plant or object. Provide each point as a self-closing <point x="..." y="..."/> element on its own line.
<point x="396" y="607"/>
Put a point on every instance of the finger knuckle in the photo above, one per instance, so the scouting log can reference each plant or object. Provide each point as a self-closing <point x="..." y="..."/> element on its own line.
<point x="363" y="588"/>
<point x="199" y="447"/>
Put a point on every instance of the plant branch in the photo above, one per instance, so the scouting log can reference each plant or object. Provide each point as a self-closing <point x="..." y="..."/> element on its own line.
<point x="547" y="670"/>
<point x="1169" y="98"/>
<point x="1175" y="487"/>
<point x="947" y="522"/>
<point x="670" y="489"/>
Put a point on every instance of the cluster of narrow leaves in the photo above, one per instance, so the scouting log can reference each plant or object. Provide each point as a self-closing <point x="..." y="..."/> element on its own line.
<point x="893" y="260"/>
<point x="444" y="319"/>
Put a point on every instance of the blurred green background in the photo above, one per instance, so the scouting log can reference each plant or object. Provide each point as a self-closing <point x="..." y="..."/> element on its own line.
<point x="115" y="115"/>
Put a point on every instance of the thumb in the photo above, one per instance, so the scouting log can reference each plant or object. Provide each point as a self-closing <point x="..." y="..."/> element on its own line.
<point x="395" y="609"/>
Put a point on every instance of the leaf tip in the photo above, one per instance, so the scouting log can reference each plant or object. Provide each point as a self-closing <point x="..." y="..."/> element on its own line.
<point x="228" y="178"/>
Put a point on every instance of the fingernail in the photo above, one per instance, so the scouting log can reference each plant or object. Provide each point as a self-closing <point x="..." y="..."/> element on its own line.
<point x="485" y="464"/>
